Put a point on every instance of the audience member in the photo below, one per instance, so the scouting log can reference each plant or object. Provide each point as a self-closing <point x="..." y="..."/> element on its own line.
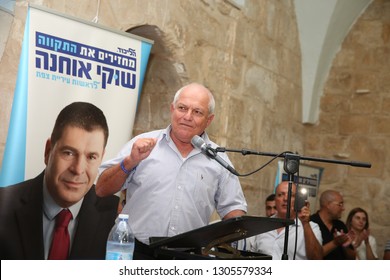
<point x="363" y="242"/>
<point x="270" y="207"/>
<point x="336" y="239"/>
<point x="386" y="254"/>
<point x="270" y="210"/>
<point x="171" y="187"/>
<point x="304" y="236"/>
<point x="28" y="210"/>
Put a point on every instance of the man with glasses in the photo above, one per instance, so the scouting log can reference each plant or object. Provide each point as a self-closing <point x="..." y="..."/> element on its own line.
<point x="336" y="244"/>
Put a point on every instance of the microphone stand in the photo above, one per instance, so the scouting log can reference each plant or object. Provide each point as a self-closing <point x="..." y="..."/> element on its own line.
<point x="291" y="166"/>
<point x="283" y="155"/>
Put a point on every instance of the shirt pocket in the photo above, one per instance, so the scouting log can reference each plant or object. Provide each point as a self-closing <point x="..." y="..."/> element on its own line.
<point x="205" y="188"/>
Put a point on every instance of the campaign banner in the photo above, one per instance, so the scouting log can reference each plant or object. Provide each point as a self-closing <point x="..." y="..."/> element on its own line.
<point x="65" y="59"/>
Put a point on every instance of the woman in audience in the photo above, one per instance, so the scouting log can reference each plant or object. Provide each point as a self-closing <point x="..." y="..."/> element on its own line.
<point x="363" y="242"/>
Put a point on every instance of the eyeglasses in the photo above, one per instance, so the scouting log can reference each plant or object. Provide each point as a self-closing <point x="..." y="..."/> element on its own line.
<point x="341" y="204"/>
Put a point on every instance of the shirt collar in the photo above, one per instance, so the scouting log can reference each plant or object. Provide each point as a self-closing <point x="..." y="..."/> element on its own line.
<point x="51" y="208"/>
<point x="167" y="134"/>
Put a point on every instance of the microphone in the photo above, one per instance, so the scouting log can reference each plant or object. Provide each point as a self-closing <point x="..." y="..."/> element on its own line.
<point x="199" y="143"/>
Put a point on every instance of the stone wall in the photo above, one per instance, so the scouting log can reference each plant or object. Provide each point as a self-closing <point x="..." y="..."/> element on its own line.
<point x="249" y="57"/>
<point x="354" y="123"/>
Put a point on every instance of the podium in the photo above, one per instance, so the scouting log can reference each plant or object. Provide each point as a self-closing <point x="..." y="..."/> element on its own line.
<point x="214" y="240"/>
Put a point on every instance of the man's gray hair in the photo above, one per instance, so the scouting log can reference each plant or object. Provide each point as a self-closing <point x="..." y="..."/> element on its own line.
<point x="211" y="106"/>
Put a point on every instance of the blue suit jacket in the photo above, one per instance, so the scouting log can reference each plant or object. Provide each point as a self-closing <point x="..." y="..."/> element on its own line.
<point x="21" y="225"/>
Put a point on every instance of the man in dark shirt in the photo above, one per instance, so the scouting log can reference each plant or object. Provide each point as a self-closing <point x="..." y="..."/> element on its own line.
<point x="336" y="244"/>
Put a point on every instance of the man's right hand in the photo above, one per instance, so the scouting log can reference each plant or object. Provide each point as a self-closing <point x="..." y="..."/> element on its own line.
<point x="109" y="182"/>
<point x="141" y="149"/>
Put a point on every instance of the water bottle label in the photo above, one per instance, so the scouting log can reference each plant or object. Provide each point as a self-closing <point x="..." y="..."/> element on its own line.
<point x="119" y="256"/>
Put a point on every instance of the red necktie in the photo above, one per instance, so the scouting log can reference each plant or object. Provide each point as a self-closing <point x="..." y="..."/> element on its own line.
<point x="61" y="241"/>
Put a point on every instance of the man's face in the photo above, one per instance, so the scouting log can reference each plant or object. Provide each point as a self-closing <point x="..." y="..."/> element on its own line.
<point x="281" y="198"/>
<point x="190" y="115"/>
<point x="336" y="207"/>
<point x="270" y="208"/>
<point x="359" y="221"/>
<point x="72" y="164"/>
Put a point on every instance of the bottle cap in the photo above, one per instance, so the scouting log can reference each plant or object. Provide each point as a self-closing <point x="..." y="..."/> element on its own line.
<point x="123" y="216"/>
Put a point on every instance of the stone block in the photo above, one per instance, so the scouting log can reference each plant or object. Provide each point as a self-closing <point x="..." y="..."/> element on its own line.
<point x="354" y="124"/>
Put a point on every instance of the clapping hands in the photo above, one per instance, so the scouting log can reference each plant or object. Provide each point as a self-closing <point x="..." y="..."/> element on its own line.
<point x="344" y="239"/>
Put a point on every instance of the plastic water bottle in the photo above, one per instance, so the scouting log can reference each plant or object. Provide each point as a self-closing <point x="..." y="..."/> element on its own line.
<point x="120" y="242"/>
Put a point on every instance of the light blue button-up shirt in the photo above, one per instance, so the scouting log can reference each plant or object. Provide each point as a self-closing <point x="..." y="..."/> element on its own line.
<point x="168" y="194"/>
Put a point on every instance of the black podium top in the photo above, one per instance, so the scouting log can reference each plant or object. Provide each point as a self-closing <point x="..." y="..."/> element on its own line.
<point x="228" y="230"/>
